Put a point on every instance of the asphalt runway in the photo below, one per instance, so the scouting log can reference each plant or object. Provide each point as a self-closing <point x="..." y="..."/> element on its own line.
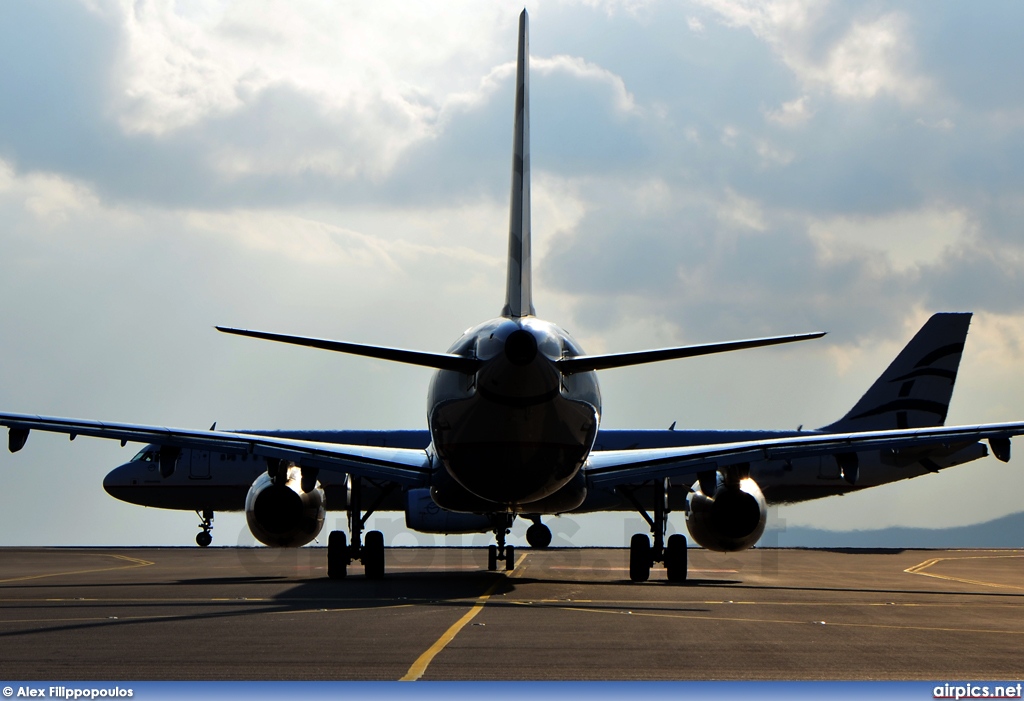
<point x="229" y="613"/>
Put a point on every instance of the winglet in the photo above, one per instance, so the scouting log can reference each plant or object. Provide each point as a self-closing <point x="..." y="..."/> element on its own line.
<point x="519" y="291"/>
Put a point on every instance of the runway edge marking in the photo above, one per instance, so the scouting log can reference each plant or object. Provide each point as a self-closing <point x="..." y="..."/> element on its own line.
<point x="419" y="667"/>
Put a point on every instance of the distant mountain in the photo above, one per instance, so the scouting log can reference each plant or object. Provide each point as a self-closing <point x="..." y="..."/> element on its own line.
<point x="1005" y="532"/>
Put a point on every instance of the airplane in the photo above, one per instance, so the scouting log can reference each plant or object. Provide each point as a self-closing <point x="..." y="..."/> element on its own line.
<point x="513" y="430"/>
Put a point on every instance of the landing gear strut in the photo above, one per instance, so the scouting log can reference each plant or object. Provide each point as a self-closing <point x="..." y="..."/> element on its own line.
<point x="502" y="527"/>
<point x="340" y="553"/>
<point x="643" y="553"/>
<point x="203" y="539"/>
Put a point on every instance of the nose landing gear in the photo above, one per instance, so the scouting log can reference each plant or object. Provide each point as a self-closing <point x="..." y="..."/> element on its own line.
<point x="203" y="539"/>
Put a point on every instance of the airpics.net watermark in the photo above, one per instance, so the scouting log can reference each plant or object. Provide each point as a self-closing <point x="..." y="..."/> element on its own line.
<point x="70" y="693"/>
<point x="977" y="691"/>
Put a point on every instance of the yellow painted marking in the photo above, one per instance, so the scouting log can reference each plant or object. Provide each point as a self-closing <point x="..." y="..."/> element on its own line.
<point x="691" y="602"/>
<point x="519" y="567"/>
<point x="626" y="569"/>
<point x="84" y="619"/>
<point x="135" y="563"/>
<point x="922" y="566"/>
<point x="337" y="610"/>
<point x="521" y="602"/>
<point x="203" y="600"/>
<point x="419" y="667"/>
<point x="986" y="631"/>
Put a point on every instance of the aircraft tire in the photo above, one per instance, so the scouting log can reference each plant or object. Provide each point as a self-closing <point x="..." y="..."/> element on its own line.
<point x="492" y="558"/>
<point x="538" y="536"/>
<point x="337" y="555"/>
<point x="203" y="539"/>
<point x="510" y="557"/>
<point x="639" y="558"/>
<point x="373" y="555"/>
<point x="675" y="558"/>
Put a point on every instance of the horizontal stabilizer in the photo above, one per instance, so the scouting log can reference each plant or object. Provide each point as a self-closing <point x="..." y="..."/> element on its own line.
<point x="441" y="361"/>
<point x="584" y="363"/>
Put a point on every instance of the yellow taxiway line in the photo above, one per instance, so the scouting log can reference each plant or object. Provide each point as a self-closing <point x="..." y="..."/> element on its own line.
<point x="419" y="667"/>
<point x="922" y="566"/>
<point x="135" y="562"/>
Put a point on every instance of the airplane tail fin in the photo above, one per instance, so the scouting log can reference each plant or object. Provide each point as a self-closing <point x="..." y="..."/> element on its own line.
<point x="915" y="389"/>
<point x="519" y="290"/>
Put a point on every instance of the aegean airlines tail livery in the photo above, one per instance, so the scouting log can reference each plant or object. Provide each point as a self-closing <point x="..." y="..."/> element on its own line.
<point x="513" y="430"/>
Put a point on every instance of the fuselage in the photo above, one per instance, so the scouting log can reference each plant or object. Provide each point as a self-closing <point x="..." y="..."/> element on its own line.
<point x="517" y="430"/>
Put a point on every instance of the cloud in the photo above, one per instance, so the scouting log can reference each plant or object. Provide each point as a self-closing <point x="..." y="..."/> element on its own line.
<point x="905" y="239"/>
<point x="702" y="171"/>
<point x="867" y="58"/>
<point x="790" y="114"/>
<point x="183" y="63"/>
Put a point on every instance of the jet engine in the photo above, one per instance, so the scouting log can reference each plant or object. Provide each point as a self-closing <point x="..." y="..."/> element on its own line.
<point x="731" y="519"/>
<point x="282" y="514"/>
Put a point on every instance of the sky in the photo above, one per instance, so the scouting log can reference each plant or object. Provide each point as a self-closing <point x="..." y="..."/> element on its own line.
<point x="702" y="171"/>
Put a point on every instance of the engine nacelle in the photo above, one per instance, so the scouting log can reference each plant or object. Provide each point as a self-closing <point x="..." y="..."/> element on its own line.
<point x="733" y="519"/>
<point x="424" y="515"/>
<point x="282" y="515"/>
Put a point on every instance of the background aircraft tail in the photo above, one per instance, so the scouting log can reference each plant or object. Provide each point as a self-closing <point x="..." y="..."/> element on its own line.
<point x="519" y="291"/>
<point x="915" y="389"/>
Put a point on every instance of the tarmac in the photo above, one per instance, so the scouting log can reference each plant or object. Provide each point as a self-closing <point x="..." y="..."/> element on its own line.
<point x="128" y="614"/>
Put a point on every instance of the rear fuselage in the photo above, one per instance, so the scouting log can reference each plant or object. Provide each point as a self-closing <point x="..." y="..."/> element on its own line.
<point x="517" y="430"/>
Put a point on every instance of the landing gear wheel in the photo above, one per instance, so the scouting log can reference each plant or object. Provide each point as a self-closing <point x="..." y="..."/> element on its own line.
<point x="337" y="555"/>
<point x="675" y="558"/>
<point x="639" y="558"/>
<point x="510" y="557"/>
<point x="203" y="538"/>
<point x="538" y="536"/>
<point x="373" y="555"/>
<point x="492" y="558"/>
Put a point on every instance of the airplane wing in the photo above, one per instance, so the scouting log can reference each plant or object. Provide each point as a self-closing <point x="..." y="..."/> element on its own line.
<point x="608" y="468"/>
<point x="406" y="466"/>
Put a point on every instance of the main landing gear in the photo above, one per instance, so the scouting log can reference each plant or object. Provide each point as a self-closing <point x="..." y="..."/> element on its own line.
<point x="369" y="551"/>
<point x="203" y="539"/>
<point x="642" y="553"/>
<point x="506" y="553"/>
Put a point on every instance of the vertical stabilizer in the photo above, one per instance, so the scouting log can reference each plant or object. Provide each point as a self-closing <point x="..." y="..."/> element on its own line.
<point x="916" y="388"/>
<point x="519" y="292"/>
